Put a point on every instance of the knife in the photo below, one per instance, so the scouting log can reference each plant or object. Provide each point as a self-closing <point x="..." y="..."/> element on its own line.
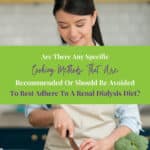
<point x="72" y="142"/>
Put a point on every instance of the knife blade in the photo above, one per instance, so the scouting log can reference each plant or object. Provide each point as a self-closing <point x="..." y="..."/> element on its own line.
<point x="72" y="142"/>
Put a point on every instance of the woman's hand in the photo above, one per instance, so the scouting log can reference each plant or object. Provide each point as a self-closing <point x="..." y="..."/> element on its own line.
<point x="91" y="144"/>
<point x="106" y="143"/>
<point x="62" y="122"/>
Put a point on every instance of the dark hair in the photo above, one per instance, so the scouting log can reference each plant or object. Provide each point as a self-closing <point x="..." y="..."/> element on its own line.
<point x="80" y="7"/>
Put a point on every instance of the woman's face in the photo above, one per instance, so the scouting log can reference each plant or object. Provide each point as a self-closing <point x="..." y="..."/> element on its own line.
<point x="76" y="30"/>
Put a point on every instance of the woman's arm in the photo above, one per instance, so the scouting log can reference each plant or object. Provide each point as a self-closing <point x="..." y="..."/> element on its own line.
<point x="129" y="120"/>
<point x="38" y="115"/>
<point x="41" y="116"/>
<point x="106" y="143"/>
<point x="128" y="115"/>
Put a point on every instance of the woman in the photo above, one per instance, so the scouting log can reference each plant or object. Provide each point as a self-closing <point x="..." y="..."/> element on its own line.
<point x="77" y="22"/>
<point x="93" y="127"/>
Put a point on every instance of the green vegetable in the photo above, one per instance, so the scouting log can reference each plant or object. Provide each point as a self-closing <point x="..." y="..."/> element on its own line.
<point x="132" y="141"/>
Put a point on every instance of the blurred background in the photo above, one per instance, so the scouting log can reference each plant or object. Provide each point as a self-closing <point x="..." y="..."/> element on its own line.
<point x="30" y="22"/>
<point x="13" y="116"/>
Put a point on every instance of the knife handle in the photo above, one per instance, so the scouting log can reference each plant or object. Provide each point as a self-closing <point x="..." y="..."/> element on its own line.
<point x="67" y="133"/>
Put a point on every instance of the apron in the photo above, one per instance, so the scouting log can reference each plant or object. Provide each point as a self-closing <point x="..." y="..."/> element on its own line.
<point x="91" y="121"/>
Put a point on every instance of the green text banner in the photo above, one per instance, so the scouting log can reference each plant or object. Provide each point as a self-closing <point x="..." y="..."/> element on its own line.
<point x="74" y="75"/>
